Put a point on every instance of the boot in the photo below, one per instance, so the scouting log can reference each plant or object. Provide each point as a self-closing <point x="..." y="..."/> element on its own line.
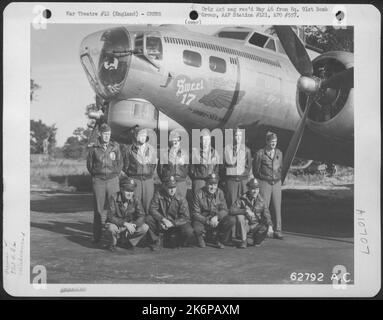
<point x="278" y="235"/>
<point x="112" y="248"/>
<point x="220" y="245"/>
<point x="201" y="242"/>
<point x="158" y="244"/>
<point x="243" y="245"/>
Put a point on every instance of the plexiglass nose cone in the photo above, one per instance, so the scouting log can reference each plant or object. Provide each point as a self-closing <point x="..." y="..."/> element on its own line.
<point x="105" y="56"/>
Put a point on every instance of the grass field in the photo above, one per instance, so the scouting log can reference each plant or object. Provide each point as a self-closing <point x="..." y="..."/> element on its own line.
<point x="344" y="175"/>
<point x="72" y="175"/>
<point x="59" y="174"/>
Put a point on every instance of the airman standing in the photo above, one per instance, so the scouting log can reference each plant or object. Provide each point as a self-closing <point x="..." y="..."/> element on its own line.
<point x="268" y="170"/>
<point x="140" y="160"/>
<point x="178" y="164"/>
<point x="237" y="167"/>
<point x="205" y="161"/>
<point x="104" y="163"/>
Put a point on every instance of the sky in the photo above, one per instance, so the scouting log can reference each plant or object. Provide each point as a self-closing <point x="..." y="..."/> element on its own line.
<point x="55" y="66"/>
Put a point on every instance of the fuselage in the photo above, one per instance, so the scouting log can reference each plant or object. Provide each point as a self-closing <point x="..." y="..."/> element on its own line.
<point x="204" y="81"/>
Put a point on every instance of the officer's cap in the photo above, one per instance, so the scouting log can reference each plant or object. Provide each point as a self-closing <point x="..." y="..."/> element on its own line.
<point x="252" y="184"/>
<point x="212" y="179"/>
<point x="127" y="184"/>
<point x="174" y="135"/>
<point x="271" y="136"/>
<point x="170" y="182"/>
<point x="104" y="128"/>
<point x="137" y="130"/>
<point x="238" y="129"/>
<point x="205" y="133"/>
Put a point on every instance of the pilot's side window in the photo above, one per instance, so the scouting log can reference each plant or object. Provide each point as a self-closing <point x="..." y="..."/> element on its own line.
<point x="154" y="48"/>
<point x="270" y="45"/>
<point x="192" y="58"/>
<point x="217" y="64"/>
<point x="139" y="44"/>
<point x="258" y="39"/>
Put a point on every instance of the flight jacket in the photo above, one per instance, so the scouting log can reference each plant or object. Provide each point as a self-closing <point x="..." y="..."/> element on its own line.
<point x="104" y="164"/>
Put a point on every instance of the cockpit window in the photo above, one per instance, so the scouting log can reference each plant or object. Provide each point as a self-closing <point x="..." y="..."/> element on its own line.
<point x="154" y="47"/>
<point x="280" y="47"/>
<point x="237" y="35"/>
<point x="262" y="41"/>
<point x="139" y="44"/>
<point x="270" y="45"/>
<point x="258" y="39"/>
<point x="192" y="58"/>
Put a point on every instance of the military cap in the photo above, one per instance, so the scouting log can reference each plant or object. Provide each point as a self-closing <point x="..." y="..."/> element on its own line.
<point x="205" y="132"/>
<point x="252" y="184"/>
<point x="136" y="130"/>
<point x="170" y="182"/>
<point x="212" y="179"/>
<point x="174" y="135"/>
<point x="271" y="136"/>
<point x="127" y="184"/>
<point x="238" y="129"/>
<point x="105" y="128"/>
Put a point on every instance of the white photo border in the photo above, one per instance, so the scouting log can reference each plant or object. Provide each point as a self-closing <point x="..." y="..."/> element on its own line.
<point x="19" y="18"/>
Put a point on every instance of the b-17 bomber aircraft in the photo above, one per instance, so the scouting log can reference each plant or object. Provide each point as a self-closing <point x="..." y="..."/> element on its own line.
<point x="261" y="80"/>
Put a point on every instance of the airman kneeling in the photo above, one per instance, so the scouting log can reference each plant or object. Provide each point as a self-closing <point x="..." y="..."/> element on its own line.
<point x="210" y="214"/>
<point x="252" y="215"/>
<point x="125" y="221"/>
<point x="169" y="217"/>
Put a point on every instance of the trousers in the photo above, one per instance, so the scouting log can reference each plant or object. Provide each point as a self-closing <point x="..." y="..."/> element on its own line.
<point x="273" y="193"/>
<point x="144" y="192"/>
<point x="184" y="232"/>
<point x="223" y="229"/>
<point x="258" y="231"/>
<point x="102" y="189"/>
<point x="234" y="189"/>
<point x="116" y="233"/>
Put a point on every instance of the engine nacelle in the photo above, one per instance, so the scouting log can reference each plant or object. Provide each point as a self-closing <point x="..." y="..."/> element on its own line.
<point x="123" y="115"/>
<point x="333" y="114"/>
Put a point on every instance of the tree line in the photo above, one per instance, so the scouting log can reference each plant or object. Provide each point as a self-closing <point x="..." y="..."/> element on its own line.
<point x="75" y="146"/>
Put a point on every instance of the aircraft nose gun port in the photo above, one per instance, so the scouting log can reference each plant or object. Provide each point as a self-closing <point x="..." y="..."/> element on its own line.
<point x="105" y="57"/>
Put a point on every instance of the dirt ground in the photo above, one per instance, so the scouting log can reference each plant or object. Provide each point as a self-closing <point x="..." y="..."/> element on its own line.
<point x="318" y="230"/>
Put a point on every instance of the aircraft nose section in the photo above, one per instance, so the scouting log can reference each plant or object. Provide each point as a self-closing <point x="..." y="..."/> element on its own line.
<point x="105" y="57"/>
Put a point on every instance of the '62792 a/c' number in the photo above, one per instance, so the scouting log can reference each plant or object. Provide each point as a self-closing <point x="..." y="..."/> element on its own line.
<point x="306" y="277"/>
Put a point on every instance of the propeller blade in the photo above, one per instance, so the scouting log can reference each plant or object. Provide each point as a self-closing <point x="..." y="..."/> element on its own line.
<point x="295" y="50"/>
<point x="340" y="80"/>
<point x="295" y="140"/>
